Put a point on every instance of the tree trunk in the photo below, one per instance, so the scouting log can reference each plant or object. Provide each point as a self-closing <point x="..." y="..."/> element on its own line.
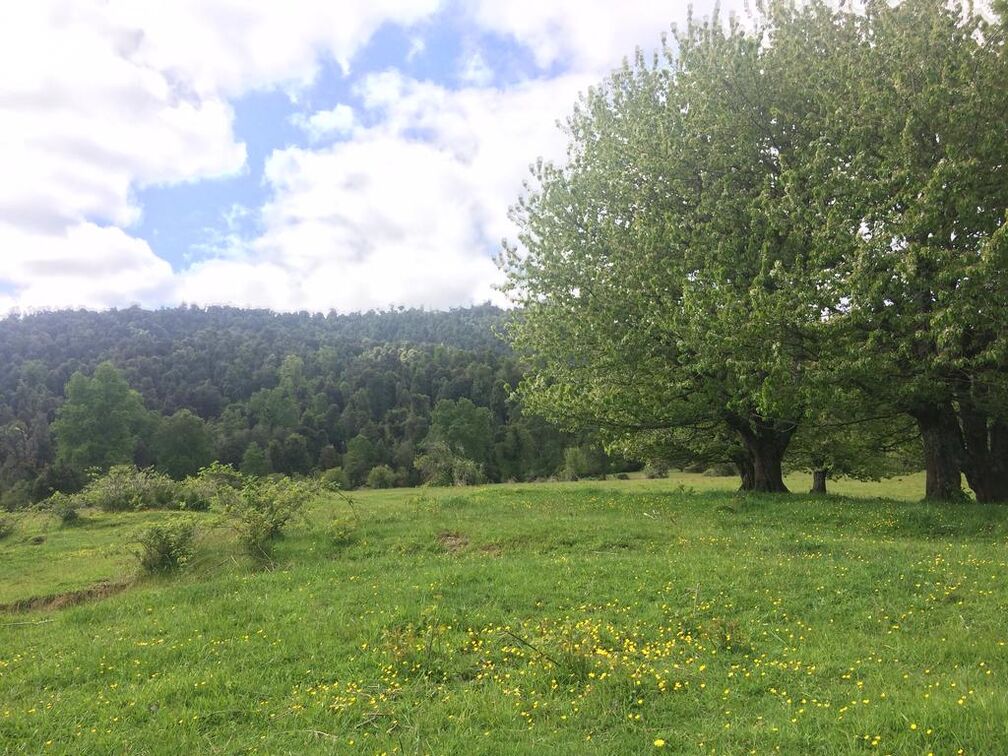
<point x="746" y="473"/>
<point x="765" y="444"/>
<point x="942" y="442"/>
<point x="985" y="454"/>
<point x="818" y="482"/>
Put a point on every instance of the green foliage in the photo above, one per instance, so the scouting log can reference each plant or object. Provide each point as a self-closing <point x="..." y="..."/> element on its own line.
<point x="360" y="457"/>
<point x="64" y="507"/>
<point x="7" y="527"/>
<point x="583" y="462"/>
<point x="254" y="461"/>
<point x="720" y="470"/>
<point x="658" y="468"/>
<point x="17" y="496"/>
<point x="124" y="488"/>
<point x="467" y="472"/>
<point x="58" y="478"/>
<point x="465" y="428"/>
<point x="381" y="476"/>
<point x="290" y="456"/>
<point x="328" y="458"/>
<point x="924" y="281"/>
<point x="297" y="390"/>
<point x="262" y="508"/>
<point x="166" y="547"/>
<point x="438" y="465"/>
<point x="215" y="486"/>
<point x="182" y="445"/>
<point x="333" y="478"/>
<point x="661" y="297"/>
<point x="99" y="423"/>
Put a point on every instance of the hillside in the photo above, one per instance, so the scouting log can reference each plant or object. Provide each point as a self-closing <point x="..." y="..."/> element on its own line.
<point x="619" y="617"/>
<point x="299" y="393"/>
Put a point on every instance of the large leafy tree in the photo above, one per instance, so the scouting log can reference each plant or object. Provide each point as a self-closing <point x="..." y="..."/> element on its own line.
<point x="665" y="294"/>
<point x="100" y="422"/>
<point x="766" y="217"/>
<point x="911" y="182"/>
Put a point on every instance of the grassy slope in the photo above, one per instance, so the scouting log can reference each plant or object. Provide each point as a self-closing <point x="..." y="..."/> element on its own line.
<point x="563" y="618"/>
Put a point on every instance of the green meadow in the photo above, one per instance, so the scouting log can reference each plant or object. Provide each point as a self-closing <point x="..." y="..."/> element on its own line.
<point x="631" y="617"/>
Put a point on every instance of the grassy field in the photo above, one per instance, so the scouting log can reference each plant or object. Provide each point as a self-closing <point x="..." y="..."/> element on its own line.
<point x="613" y="617"/>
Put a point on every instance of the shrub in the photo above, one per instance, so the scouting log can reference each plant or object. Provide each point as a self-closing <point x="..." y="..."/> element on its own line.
<point x="335" y="479"/>
<point x="64" y="507"/>
<point x="58" y="478"/>
<point x="214" y="486"/>
<point x="18" y="496"/>
<point x="124" y="487"/>
<point x="423" y="504"/>
<point x="465" y="472"/>
<point x="197" y="494"/>
<point x="656" y="469"/>
<point x="166" y="547"/>
<point x="721" y="470"/>
<point x="263" y="507"/>
<point x="381" y="476"/>
<point x="342" y="534"/>
<point x="582" y="462"/>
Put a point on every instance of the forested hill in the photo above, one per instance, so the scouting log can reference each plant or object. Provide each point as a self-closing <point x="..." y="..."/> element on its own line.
<point x="57" y="337"/>
<point x="414" y="391"/>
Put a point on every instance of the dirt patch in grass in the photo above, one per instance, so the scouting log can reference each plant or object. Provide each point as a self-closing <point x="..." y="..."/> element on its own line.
<point x="452" y="542"/>
<point x="490" y="549"/>
<point x="63" y="600"/>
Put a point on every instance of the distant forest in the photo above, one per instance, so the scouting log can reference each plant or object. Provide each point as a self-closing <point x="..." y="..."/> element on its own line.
<point x="422" y="396"/>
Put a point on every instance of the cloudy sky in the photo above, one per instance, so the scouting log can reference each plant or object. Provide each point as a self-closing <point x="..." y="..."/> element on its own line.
<point x="306" y="154"/>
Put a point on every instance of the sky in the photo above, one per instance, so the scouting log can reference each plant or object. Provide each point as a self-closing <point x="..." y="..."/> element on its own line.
<point x="306" y="155"/>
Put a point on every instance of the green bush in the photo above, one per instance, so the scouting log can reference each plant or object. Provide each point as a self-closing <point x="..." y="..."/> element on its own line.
<point x="263" y="507"/>
<point x="582" y="462"/>
<point x="335" y="479"/>
<point x="465" y="472"/>
<point x="656" y="469"/>
<point x="64" y="507"/>
<point x="381" y="476"/>
<point x="18" y="496"/>
<point x="124" y="487"/>
<point x="166" y="547"/>
<point x="721" y="470"/>
<point x="214" y="486"/>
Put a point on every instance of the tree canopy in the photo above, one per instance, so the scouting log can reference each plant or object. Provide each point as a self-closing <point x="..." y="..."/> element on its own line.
<point x="791" y="225"/>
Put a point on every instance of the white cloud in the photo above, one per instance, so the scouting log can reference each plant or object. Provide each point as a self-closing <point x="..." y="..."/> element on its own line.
<point x="326" y="123"/>
<point x="409" y="211"/>
<point x="475" y="71"/>
<point x="231" y="46"/>
<point x="586" y="35"/>
<point x="85" y="266"/>
<point x="99" y="99"/>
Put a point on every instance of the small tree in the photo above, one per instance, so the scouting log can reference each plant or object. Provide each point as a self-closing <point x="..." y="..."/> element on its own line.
<point x="254" y="461"/>
<point x="99" y="423"/>
<point x="381" y="476"/>
<point x="182" y="445"/>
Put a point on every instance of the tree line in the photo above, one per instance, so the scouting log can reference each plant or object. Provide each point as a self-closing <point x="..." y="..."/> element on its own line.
<point x="420" y="395"/>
